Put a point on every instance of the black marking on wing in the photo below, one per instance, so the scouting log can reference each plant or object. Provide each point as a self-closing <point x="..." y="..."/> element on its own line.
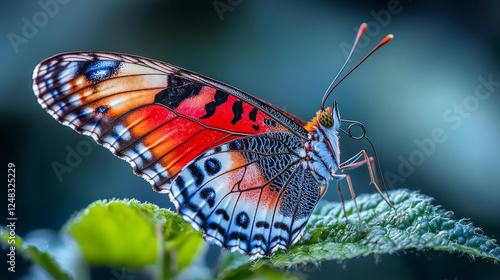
<point x="283" y="226"/>
<point x="219" y="229"/>
<point x="263" y="224"/>
<point x="237" y="236"/>
<point x="243" y="220"/>
<point x="237" y="111"/>
<point x="180" y="182"/>
<point x="222" y="212"/>
<point x="208" y="194"/>
<point x="253" y="115"/>
<point x="270" y="122"/>
<point x="177" y="91"/>
<point x="212" y="166"/>
<point x="259" y="237"/>
<point x="196" y="173"/>
<point x="220" y="98"/>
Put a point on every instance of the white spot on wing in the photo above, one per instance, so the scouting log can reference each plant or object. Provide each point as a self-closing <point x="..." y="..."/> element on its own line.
<point x="50" y="83"/>
<point x="73" y="119"/>
<point x="68" y="72"/>
<point x="123" y="132"/>
<point x="65" y="88"/>
<point x="93" y="129"/>
<point x="144" y="151"/>
<point x="75" y="100"/>
<point x="134" y="157"/>
<point x="117" y="102"/>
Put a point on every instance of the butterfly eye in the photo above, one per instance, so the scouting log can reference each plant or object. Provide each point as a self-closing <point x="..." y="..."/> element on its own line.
<point x="325" y="119"/>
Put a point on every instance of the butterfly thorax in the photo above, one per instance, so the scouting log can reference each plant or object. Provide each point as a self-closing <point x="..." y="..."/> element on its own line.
<point x="323" y="147"/>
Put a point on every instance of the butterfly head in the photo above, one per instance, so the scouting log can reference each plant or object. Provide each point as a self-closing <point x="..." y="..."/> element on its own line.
<point x="329" y="118"/>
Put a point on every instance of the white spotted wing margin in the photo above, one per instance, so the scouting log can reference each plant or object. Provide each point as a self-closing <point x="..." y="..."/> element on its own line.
<point x="254" y="194"/>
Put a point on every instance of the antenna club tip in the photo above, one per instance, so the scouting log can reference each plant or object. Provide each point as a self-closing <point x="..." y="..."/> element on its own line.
<point x="385" y="40"/>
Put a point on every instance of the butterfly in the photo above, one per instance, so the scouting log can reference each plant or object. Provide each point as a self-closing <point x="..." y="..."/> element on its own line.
<point x="245" y="172"/>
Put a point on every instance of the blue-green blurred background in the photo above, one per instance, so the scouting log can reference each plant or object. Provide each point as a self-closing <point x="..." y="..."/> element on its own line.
<point x="285" y="52"/>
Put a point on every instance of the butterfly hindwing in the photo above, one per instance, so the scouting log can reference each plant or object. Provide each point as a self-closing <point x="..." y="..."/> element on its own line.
<point x="252" y="194"/>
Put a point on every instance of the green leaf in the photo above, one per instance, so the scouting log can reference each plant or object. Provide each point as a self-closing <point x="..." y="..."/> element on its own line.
<point x="116" y="233"/>
<point x="238" y="266"/>
<point x="127" y="233"/>
<point x="182" y="243"/>
<point x="414" y="223"/>
<point x="44" y="259"/>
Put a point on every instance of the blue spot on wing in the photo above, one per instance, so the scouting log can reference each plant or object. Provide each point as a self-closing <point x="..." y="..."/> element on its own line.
<point x="99" y="70"/>
<point x="212" y="166"/>
<point x="103" y="109"/>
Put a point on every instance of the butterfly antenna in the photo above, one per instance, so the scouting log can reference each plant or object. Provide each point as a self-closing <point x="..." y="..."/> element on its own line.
<point x="361" y="30"/>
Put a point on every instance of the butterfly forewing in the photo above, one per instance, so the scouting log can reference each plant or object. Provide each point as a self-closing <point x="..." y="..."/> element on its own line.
<point x="231" y="162"/>
<point x="152" y="114"/>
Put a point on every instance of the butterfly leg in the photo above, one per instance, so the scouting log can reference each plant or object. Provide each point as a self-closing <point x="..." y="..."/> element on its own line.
<point x="342" y="200"/>
<point x="353" y="195"/>
<point x="352" y="163"/>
